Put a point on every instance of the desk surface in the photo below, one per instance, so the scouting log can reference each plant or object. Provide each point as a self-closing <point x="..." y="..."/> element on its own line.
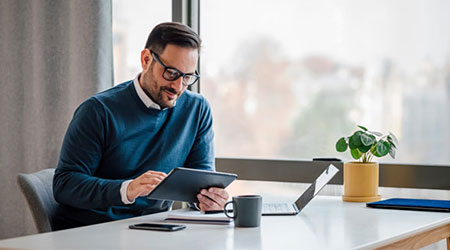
<point x="326" y="223"/>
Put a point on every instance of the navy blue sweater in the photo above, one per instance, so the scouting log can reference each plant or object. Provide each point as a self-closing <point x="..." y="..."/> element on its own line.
<point x="114" y="137"/>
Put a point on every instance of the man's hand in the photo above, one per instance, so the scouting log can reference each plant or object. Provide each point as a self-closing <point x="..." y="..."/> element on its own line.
<point x="212" y="199"/>
<point x="144" y="184"/>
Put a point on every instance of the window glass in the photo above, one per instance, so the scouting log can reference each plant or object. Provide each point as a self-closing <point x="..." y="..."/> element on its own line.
<point x="287" y="79"/>
<point x="132" y="23"/>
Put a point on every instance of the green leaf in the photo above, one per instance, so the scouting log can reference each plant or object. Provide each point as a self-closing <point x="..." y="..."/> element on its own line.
<point x="389" y="139"/>
<point x="388" y="145"/>
<point x="341" y="145"/>
<point x="367" y="140"/>
<point x="355" y="139"/>
<point x="394" y="138"/>
<point x="375" y="153"/>
<point x="355" y="153"/>
<point x="363" y="149"/>
<point x="373" y="150"/>
<point x="383" y="148"/>
<point x="363" y="128"/>
<point x="392" y="153"/>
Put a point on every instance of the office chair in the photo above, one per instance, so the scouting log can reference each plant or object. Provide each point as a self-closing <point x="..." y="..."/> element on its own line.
<point x="38" y="191"/>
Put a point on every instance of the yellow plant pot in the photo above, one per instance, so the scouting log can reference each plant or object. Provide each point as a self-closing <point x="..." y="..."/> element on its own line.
<point x="361" y="182"/>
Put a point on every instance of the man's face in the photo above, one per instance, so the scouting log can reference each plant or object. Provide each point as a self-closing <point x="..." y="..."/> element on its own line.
<point x="163" y="92"/>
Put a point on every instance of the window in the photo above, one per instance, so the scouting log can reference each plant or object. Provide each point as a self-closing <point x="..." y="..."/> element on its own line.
<point x="287" y="79"/>
<point x="132" y="23"/>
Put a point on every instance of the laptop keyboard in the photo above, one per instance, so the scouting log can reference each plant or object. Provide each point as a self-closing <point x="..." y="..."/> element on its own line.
<point x="277" y="208"/>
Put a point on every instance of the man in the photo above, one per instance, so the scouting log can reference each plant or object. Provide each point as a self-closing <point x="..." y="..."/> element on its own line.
<point x="122" y="142"/>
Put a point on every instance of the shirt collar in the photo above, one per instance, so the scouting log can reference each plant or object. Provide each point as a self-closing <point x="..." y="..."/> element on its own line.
<point x="148" y="102"/>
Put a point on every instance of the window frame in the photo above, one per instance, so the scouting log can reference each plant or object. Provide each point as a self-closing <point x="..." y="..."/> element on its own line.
<point x="188" y="12"/>
<point x="391" y="175"/>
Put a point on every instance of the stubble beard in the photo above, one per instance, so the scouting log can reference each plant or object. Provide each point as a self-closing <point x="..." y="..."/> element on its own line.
<point x="161" y="95"/>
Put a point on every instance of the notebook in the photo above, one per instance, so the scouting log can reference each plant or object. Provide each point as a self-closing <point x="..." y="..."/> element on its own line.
<point x="412" y="204"/>
<point x="304" y="199"/>
<point x="198" y="217"/>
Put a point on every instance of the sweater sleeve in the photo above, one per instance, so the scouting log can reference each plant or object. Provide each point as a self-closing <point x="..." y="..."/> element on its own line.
<point x="74" y="183"/>
<point x="201" y="155"/>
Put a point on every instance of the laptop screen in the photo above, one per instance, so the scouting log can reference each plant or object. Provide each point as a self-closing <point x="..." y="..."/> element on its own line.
<point x="316" y="186"/>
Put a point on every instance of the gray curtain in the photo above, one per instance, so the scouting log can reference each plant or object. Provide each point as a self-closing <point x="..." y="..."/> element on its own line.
<point x="53" y="55"/>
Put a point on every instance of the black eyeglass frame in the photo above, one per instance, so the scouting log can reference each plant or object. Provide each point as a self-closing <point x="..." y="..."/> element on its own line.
<point x="180" y="74"/>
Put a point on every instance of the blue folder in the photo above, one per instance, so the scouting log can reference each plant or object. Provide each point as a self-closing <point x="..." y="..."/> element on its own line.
<point x="412" y="204"/>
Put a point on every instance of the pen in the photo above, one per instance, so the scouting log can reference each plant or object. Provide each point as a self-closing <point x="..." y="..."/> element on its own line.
<point x="217" y="211"/>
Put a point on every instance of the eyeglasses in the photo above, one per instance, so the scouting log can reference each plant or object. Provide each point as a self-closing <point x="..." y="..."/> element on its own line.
<point x="172" y="74"/>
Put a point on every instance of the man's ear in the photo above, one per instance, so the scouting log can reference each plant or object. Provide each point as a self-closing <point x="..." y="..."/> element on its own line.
<point x="146" y="59"/>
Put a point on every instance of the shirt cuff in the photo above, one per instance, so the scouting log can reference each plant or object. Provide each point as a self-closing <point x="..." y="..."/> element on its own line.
<point x="123" y="192"/>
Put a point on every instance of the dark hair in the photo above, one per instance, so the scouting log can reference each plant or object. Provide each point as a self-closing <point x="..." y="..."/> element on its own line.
<point x="172" y="33"/>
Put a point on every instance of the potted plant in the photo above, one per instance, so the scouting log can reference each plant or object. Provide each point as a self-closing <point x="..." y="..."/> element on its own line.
<point x="361" y="177"/>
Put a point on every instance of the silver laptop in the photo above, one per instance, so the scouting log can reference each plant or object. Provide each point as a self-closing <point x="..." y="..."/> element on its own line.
<point x="305" y="198"/>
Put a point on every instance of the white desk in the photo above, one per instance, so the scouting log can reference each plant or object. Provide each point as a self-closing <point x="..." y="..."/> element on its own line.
<point x="326" y="223"/>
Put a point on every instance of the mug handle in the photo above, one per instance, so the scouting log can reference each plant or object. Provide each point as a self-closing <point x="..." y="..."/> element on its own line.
<point x="225" y="210"/>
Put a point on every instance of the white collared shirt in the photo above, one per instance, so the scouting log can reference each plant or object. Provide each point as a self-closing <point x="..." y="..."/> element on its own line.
<point x="148" y="102"/>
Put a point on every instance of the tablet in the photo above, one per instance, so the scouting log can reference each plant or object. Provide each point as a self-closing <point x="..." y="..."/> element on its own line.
<point x="183" y="184"/>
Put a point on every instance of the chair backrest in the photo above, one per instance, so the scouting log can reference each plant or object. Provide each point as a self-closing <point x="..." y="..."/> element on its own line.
<point x="38" y="191"/>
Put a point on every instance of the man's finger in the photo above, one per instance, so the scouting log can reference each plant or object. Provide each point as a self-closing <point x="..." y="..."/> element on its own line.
<point x="152" y="180"/>
<point x="216" y="198"/>
<point x="204" y="200"/>
<point x="202" y="207"/>
<point x="148" y="181"/>
<point x="148" y="175"/>
<point x="219" y="191"/>
<point x="155" y="173"/>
